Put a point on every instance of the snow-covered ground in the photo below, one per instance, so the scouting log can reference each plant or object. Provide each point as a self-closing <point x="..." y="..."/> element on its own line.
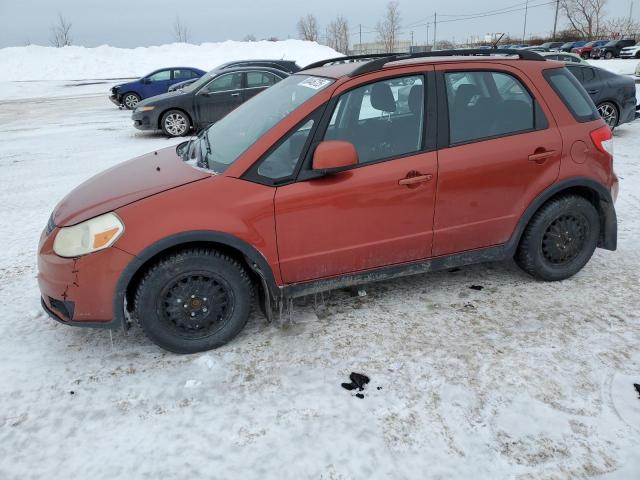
<point x="35" y="62"/>
<point x="518" y="380"/>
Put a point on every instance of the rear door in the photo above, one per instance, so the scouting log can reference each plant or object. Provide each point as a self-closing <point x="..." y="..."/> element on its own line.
<point x="218" y="97"/>
<point x="258" y="81"/>
<point x="500" y="150"/>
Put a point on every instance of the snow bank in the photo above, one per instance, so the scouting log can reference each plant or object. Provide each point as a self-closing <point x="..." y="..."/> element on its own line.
<point x="34" y="62"/>
<point x="617" y="65"/>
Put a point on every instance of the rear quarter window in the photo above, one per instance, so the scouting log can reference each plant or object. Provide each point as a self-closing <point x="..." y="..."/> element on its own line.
<point x="572" y="94"/>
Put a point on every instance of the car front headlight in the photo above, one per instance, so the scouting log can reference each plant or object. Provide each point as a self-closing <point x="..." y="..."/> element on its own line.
<point x="146" y="108"/>
<point x="88" y="237"/>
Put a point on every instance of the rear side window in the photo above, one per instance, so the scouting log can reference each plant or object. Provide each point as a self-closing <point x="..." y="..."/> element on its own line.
<point x="484" y="104"/>
<point x="572" y="94"/>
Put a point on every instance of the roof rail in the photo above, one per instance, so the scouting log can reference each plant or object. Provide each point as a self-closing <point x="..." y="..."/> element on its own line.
<point x="346" y="59"/>
<point x="378" y="63"/>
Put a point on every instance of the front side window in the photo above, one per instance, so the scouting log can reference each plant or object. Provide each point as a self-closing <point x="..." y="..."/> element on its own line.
<point x="382" y="120"/>
<point x="261" y="79"/>
<point x="223" y="83"/>
<point x="238" y="130"/>
<point x="282" y="161"/>
<point x="484" y="104"/>
<point x="161" y="75"/>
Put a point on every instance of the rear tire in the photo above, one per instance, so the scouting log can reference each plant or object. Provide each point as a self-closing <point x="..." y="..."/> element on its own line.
<point x="193" y="300"/>
<point x="130" y="100"/>
<point x="585" y="56"/>
<point x="609" y="113"/>
<point x="560" y="239"/>
<point x="175" y="123"/>
<point x="608" y="55"/>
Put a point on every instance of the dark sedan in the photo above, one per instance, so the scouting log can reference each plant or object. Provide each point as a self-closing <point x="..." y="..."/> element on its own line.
<point x="614" y="95"/>
<point x="289" y="66"/>
<point x="205" y="101"/>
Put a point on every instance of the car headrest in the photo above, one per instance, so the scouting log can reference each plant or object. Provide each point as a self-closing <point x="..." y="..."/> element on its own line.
<point x="415" y="99"/>
<point x="382" y="97"/>
<point x="465" y="93"/>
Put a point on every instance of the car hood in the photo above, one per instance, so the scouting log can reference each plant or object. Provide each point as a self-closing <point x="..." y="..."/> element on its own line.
<point x="125" y="183"/>
<point x="161" y="98"/>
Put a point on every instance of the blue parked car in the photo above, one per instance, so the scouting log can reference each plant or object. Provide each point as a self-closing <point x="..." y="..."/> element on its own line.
<point x="155" y="83"/>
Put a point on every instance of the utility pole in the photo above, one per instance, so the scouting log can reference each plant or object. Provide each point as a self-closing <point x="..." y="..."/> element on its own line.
<point x="412" y="38"/>
<point x="524" y="30"/>
<point x="435" y="26"/>
<point x="555" y="22"/>
<point x="360" y="38"/>
<point x="427" y="33"/>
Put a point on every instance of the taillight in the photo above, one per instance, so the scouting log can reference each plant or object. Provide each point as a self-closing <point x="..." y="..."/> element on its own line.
<point x="603" y="139"/>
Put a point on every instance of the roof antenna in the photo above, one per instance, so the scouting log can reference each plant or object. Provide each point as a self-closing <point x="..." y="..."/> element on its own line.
<point x="495" y="44"/>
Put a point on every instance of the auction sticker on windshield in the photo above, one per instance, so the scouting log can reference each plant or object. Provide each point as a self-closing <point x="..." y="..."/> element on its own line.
<point x="315" y="82"/>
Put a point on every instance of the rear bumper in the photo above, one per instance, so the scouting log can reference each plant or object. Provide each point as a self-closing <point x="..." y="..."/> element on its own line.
<point x="628" y="112"/>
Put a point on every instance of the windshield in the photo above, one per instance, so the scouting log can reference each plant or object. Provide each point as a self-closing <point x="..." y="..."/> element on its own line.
<point x="612" y="43"/>
<point x="227" y="139"/>
<point x="200" y="81"/>
<point x="567" y="45"/>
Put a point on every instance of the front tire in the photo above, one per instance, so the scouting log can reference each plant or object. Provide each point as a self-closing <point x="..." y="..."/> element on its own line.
<point x="193" y="300"/>
<point x="585" y="56"/>
<point x="560" y="239"/>
<point x="608" y="55"/>
<point x="130" y="100"/>
<point x="609" y="113"/>
<point x="175" y="123"/>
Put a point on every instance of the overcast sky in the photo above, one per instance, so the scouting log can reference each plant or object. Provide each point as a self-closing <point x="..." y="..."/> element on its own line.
<point x="131" y="23"/>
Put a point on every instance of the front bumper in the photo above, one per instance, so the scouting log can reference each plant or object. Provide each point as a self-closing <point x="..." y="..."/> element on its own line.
<point x="143" y="120"/>
<point x="80" y="291"/>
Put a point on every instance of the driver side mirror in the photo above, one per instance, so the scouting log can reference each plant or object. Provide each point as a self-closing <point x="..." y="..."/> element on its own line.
<point x="333" y="156"/>
<point x="146" y="81"/>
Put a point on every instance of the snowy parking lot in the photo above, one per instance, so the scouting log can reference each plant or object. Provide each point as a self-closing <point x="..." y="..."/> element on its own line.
<point x="480" y="372"/>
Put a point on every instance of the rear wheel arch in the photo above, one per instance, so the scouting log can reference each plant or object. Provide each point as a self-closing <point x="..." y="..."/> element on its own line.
<point x="246" y="255"/>
<point x="596" y="193"/>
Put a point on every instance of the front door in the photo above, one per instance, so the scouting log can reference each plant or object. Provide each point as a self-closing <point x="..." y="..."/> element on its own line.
<point x="157" y="83"/>
<point x="217" y="98"/>
<point x="378" y="213"/>
<point x="504" y="148"/>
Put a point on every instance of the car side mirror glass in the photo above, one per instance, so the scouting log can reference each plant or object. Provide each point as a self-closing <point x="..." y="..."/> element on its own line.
<point x="146" y="81"/>
<point x="333" y="156"/>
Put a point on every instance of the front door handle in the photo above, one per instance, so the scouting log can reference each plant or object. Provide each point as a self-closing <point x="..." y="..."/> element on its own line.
<point x="593" y="91"/>
<point x="415" y="179"/>
<point x="541" y="157"/>
<point x="235" y="94"/>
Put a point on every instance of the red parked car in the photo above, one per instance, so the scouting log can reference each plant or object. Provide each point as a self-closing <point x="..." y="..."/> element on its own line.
<point x="585" y="50"/>
<point x="338" y="175"/>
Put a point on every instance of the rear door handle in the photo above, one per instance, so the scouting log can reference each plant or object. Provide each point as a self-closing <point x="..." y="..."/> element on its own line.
<point x="593" y="91"/>
<point x="414" y="180"/>
<point x="542" y="156"/>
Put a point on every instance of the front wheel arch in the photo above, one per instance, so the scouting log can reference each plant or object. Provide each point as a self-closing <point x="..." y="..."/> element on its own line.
<point x="181" y="110"/>
<point x="249" y="257"/>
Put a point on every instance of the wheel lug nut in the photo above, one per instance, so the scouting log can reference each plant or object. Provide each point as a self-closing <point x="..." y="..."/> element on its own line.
<point x="204" y="309"/>
<point x="193" y="314"/>
<point x="193" y="296"/>
<point x="178" y="301"/>
<point x="185" y="305"/>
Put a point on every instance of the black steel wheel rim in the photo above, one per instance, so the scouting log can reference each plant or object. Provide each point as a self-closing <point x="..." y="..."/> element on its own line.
<point x="564" y="239"/>
<point x="196" y="304"/>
